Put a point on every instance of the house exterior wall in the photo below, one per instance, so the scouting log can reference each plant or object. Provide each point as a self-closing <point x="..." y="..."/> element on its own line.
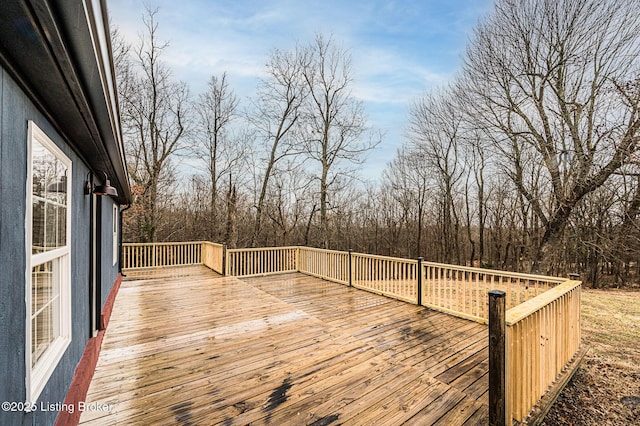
<point x="108" y="269"/>
<point x="15" y="110"/>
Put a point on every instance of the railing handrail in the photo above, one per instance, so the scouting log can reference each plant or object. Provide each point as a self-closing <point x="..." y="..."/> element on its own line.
<point x="321" y="250"/>
<point x="525" y="309"/>
<point x="508" y="274"/>
<point x="381" y="257"/>
<point x="237" y="250"/>
<point x="210" y="243"/>
<point x="160" y="243"/>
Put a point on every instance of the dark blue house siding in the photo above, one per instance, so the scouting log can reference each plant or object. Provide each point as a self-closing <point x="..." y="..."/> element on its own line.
<point x="15" y="111"/>
<point x="12" y="245"/>
<point x="109" y="271"/>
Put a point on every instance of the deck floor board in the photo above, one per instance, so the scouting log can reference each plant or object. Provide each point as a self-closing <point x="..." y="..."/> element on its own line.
<point x="186" y="346"/>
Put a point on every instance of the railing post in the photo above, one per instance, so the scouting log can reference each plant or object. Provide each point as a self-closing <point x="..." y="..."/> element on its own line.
<point x="420" y="259"/>
<point x="224" y="259"/>
<point x="497" y="359"/>
<point x="350" y="268"/>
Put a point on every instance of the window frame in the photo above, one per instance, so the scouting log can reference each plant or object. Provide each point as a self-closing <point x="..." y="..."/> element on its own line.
<point x="38" y="375"/>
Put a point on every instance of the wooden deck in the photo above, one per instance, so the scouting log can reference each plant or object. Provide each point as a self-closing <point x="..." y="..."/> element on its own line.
<point x="190" y="347"/>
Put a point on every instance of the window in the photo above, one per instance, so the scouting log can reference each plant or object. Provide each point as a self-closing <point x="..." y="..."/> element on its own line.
<point x="114" y="233"/>
<point x="48" y="237"/>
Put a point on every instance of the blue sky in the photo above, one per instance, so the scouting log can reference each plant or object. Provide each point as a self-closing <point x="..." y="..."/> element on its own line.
<point x="400" y="49"/>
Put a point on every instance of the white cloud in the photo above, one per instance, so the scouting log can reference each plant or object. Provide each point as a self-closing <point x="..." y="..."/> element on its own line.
<point x="399" y="49"/>
<point x="384" y="76"/>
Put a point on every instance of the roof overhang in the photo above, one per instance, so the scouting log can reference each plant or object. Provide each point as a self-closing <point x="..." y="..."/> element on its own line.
<point x="60" y="54"/>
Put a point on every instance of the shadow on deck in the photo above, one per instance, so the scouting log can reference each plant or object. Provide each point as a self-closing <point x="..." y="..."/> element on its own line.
<point x="187" y="346"/>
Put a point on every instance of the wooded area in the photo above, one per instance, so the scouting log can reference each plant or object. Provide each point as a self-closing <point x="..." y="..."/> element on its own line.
<point x="526" y="161"/>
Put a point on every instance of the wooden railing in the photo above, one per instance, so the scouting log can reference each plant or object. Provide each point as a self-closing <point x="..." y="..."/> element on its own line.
<point x="457" y="290"/>
<point x="542" y="320"/>
<point x="213" y="256"/>
<point x="261" y="261"/>
<point x="153" y="255"/>
<point x="462" y="291"/>
<point x="542" y="337"/>
<point x="330" y="265"/>
<point x="389" y="276"/>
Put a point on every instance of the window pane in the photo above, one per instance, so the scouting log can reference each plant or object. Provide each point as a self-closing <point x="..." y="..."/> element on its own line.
<point x="62" y="226"/>
<point x="45" y="303"/>
<point x="50" y="226"/>
<point x="61" y="185"/>
<point x="42" y="333"/>
<point x="34" y="341"/>
<point x="37" y="227"/>
<point x="39" y="160"/>
<point x="42" y="286"/>
<point x="49" y="200"/>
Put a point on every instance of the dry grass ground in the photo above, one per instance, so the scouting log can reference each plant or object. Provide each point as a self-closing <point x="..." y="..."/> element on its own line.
<point x="606" y="389"/>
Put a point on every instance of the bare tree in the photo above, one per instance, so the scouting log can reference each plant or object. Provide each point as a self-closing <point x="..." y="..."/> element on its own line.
<point x="154" y="108"/>
<point x="545" y="80"/>
<point x="410" y="182"/>
<point x="276" y="116"/>
<point x="231" y="231"/>
<point x="475" y="192"/>
<point x="289" y="195"/>
<point x="336" y="120"/>
<point x="435" y="127"/>
<point x="216" y="109"/>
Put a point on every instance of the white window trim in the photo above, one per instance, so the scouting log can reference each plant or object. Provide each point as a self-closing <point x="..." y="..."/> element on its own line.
<point x="38" y="375"/>
<point x="114" y="233"/>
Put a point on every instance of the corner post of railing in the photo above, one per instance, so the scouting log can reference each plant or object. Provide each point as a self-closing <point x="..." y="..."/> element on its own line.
<point x="497" y="359"/>
<point x="350" y="268"/>
<point x="154" y="248"/>
<point x="419" y="272"/>
<point x="297" y="258"/>
<point x="224" y="259"/>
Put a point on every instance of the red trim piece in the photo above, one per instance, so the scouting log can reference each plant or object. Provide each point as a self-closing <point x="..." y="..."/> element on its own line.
<point x="108" y="304"/>
<point x="84" y="370"/>
<point x="81" y="380"/>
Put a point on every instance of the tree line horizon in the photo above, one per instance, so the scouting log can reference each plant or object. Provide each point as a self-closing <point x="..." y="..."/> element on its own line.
<point x="528" y="160"/>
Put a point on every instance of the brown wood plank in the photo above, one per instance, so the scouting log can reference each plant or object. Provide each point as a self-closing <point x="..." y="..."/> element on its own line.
<point x="438" y="408"/>
<point x="471" y="377"/>
<point x="338" y="387"/>
<point x="187" y="346"/>
<point x="474" y="344"/>
<point x="250" y="391"/>
<point x="463" y="367"/>
<point x="480" y="417"/>
<point x="460" y="413"/>
<point x="398" y="407"/>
